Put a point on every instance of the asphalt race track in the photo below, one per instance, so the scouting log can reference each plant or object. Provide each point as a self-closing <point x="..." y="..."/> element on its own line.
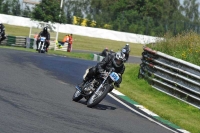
<point x="36" y="97"/>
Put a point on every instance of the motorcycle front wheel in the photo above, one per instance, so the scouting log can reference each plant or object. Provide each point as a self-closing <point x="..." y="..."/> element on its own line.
<point x="39" y="46"/>
<point x="77" y="96"/>
<point x="97" y="98"/>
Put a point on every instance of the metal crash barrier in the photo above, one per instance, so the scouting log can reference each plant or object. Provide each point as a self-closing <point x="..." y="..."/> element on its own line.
<point x="175" y="77"/>
<point x="18" y="41"/>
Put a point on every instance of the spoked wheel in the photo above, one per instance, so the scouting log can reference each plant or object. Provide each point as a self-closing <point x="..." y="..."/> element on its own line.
<point x="77" y="96"/>
<point x="97" y="98"/>
<point x="39" y="46"/>
<point x="39" y="50"/>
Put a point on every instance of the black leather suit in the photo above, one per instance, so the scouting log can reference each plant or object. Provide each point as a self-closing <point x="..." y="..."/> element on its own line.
<point x="105" y="64"/>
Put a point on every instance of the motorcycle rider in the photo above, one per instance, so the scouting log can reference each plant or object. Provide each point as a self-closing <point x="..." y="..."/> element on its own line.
<point x="104" y="53"/>
<point x="2" y="32"/>
<point x="115" y="61"/>
<point x="44" y="33"/>
<point x="126" y="50"/>
<point x="65" y="40"/>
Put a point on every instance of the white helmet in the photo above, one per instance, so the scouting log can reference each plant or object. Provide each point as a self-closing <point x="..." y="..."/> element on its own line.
<point x="119" y="59"/>
<point x="127" y="44"/>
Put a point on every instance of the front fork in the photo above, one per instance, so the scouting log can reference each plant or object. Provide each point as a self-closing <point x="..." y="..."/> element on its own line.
<point x="111" y="87"/>
<point x="43" y="46"/>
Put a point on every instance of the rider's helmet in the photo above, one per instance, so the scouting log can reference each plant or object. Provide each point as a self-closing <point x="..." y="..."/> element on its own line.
<point x="127" y="48"/>
<point x="45" y="30"/>
<point x="118" y="59"/>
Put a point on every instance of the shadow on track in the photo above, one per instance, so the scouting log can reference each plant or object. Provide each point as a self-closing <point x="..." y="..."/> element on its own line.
<point x="99" y="106"/>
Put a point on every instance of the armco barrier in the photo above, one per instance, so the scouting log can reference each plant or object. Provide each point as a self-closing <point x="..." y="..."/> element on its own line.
<point x="11" y="40"/>
<point x="27" y="42"/>
<point x="172" y="76"/>
<point x="19" y="41"/>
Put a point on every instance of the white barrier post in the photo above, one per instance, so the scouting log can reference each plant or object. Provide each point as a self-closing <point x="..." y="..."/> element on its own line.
<point x="95" y="57"/>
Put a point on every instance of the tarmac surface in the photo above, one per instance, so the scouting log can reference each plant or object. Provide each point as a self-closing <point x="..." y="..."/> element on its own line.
<point x="36" y="97"/>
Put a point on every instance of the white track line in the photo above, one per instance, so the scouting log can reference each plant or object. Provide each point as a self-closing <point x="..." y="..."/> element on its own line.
<point x="141" y="113"/>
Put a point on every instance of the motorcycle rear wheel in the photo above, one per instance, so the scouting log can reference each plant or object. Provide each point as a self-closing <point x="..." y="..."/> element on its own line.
<point x="77" y="96"/>
<point x="96" y="99"/>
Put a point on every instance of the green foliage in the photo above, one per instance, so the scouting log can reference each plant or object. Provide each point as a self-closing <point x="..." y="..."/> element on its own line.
<point x="89" y="22"/>
<point x="154" y="17"/>
<point x="184" y="46"/>
<point x="191" y="10"/>
<point x="6" y="7"/>
<point x="76" y="8"/>
<point x="16" y="8"/>
<point x="69" y="18"/>
<point x="1" y="5"/>
<point x="149" y="17"/>
<point x="26" y="12"/>
<point x="10" y="7"/>
<point x="48" y="10"/>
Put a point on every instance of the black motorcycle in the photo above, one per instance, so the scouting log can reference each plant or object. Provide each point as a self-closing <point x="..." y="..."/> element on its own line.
<point x="126" y="52"/>
<point x="96" y="89"/>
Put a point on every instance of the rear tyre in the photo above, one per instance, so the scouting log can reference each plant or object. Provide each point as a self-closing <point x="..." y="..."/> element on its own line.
<point x="77" y="96"/>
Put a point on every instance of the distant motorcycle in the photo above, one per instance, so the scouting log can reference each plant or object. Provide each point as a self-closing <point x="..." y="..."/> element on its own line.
<point x="41" y="45"/>
<point x="96" y="89"/>
<point x="0" y="35"/>
<point x="126" y="52"/>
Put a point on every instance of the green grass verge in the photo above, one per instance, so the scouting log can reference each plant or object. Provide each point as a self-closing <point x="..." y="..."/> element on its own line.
<point x="176" y="111"/>
<point x="82" y="42"/>
<point x="169" y="108"/>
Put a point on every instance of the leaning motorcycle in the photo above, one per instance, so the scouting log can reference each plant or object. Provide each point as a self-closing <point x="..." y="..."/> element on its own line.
<point x="96" y="89"/>
<point x="41" y="45"/>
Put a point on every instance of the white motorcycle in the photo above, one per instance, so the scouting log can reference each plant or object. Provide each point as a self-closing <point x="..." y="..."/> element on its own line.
<point x="41" y="45"/>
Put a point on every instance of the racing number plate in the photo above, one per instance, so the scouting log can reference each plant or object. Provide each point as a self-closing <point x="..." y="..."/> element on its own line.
<point x="42" y="39"/>
<point x="114" y="76"/>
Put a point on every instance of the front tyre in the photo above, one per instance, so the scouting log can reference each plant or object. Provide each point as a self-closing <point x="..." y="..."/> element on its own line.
<point x="39" y="47"/>
<point x="77" y="96"/>
<point x="97" y="98"/>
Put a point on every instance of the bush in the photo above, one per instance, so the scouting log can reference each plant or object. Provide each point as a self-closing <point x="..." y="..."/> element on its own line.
<point x="185" y="46"/>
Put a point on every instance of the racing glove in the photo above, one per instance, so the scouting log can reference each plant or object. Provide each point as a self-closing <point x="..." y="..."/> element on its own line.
<point x="104" y="74"/>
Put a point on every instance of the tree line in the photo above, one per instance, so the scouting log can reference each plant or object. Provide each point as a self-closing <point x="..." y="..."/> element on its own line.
<point x="14" y="8"/>
<point x="148" y="17"/>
